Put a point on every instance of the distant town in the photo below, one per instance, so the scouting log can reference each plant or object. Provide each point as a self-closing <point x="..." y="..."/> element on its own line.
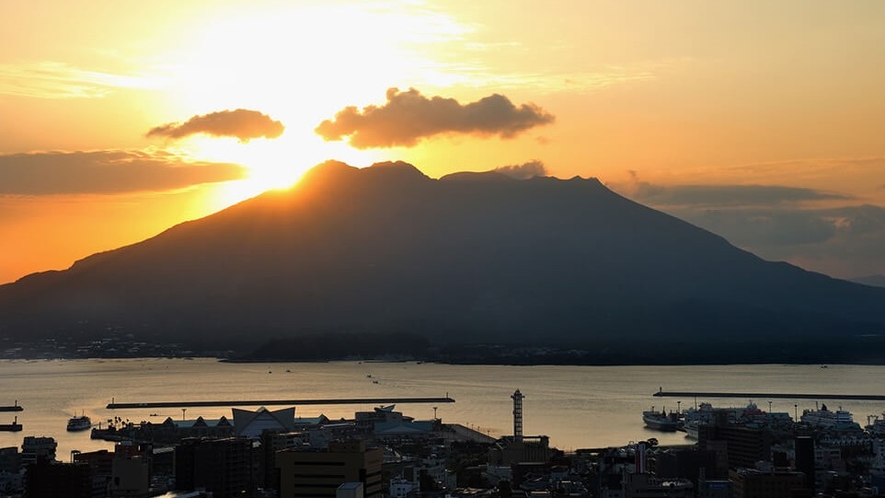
<point x="121" y="343"/>
<point x="126" y="345"/>
<point x="743" y="452"/>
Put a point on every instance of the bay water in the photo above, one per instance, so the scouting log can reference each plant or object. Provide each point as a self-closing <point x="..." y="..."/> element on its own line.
<point x="576" y="406"/>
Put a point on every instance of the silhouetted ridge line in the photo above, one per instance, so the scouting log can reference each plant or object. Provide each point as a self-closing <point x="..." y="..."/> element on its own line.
<point x="462" y="261"/>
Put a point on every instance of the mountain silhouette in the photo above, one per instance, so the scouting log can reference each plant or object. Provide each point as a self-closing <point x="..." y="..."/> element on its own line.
<point x="468" y="258"/>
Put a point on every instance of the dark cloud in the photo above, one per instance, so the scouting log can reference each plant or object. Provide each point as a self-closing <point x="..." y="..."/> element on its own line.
<point x="844" y="241"/>
<point x="727" y="195"/>
<point x="106" y="172"/>
<point x="243" y="124"/>
<point x="758" y="228"/>
<point x="779" y="223"/>
<point x="523" y="171"/>
<point x="408" y="117"/>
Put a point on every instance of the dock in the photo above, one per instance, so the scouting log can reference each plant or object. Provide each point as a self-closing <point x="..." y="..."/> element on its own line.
<point x="113" y="405"/>
<point x="816" y="396"/>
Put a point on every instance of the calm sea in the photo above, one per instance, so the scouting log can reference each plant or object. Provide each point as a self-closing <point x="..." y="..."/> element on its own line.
<point x="578" y="407"/>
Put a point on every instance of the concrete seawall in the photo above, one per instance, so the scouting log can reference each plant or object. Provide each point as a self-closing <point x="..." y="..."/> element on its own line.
<point x="113" y="405"/>
<point x="705" y="394"/>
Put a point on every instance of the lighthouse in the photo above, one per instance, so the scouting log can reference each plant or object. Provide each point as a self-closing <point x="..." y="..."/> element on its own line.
<point x="517" y="415"/>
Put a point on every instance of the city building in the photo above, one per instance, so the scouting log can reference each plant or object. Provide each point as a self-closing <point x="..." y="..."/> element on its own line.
<point x="101" y="462"/>
<point x="318" y="473"/>
<point x="753" y="483"/>
<point x="688" y="463"/>
<point x="350" y="490"/>
<point x="742" y="446"/>
<point x="641" y="485"/>
<point x="251" y="423"/>
<point x="519" y="448"/>
<point x="220" y="466"/>
<point x="131" y="471"/>
<point x="10" y="459"/>
<point x="36" y="449"/>
<point x="47" y="479"/>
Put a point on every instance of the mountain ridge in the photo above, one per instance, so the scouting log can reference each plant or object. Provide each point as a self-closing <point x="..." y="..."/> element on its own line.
<point x="467" y="258"/>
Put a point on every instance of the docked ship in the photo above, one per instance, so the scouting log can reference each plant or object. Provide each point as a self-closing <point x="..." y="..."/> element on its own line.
<point x="80" y="423"/>
<point x="660" y="421"/>
<point x="745" y="416"/>
<point x="13" y="427"/>
<point x="839" y="420"/>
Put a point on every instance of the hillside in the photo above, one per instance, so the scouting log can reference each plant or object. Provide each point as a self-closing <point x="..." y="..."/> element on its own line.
<point x="465" y="259"/>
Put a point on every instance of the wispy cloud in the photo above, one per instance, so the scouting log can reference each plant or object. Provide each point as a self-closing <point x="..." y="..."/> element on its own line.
<point x="58" y="80"/>
<point x="107" y="172"/>
<point x="244" y="124"/>
<point x="523" y="171"/>
<point x="409" y="117"/>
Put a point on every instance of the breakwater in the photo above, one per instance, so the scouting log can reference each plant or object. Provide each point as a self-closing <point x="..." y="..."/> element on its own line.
<point x="818" y="396"/>
<point x="113" y="405"/>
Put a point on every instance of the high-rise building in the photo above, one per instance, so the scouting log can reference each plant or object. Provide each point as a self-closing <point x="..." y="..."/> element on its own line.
<point x="743" y="446"/>
<point x="752" y="483"/>
<point x="45" y="479"/>
<point x="318" y="473"/>
<point x="221" y="466"/>
<point x="804" y="449"/>
<point x="36" y="449"/>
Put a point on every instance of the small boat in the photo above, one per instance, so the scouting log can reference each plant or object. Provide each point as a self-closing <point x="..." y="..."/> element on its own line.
<point x="80" y="423"/>
<point x="13" y="427"/>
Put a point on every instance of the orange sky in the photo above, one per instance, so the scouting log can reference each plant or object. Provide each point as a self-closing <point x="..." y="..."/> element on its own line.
<point x="761" y="121"/>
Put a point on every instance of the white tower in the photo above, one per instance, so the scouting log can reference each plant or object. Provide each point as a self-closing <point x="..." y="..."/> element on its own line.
<point x="517" y="415"/>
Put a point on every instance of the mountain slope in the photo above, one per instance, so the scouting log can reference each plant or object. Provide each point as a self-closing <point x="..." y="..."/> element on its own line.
<point x="874" y="280"/>
<point x="466" y="258"/>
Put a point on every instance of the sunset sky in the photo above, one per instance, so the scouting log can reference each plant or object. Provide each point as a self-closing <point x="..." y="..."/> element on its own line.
<point x="761" y="121"/>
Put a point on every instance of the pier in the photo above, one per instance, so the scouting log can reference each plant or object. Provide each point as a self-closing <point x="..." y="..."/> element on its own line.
<point x="113" y="405"/>
<point x="704" y="394"/>
<point x="13" y="427"/>
<point x="11" y="408"/>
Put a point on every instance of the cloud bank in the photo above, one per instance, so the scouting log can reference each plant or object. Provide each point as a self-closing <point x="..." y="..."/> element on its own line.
<point x="244" y="124"/>
<point x="729" y="195"/>
<point x="817" y="230"/>
<point x="106" y="172"/>
<point x="409" y="117"/>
